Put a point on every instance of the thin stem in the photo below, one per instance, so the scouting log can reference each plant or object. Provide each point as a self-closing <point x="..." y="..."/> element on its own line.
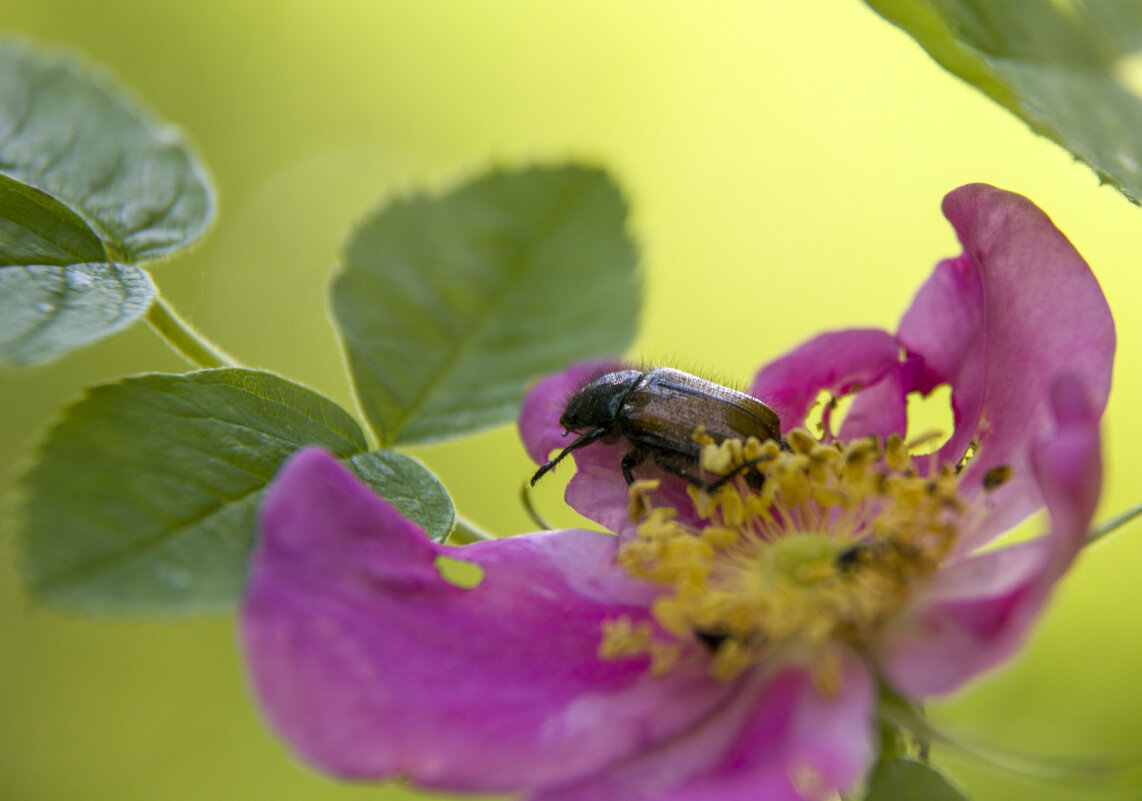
<point x="1113" y="524"/>
<point x="1054" y="768"/>
<point x="183" y="339"/>
<point x="465" y="532"/>
<point x="529" y="507"/>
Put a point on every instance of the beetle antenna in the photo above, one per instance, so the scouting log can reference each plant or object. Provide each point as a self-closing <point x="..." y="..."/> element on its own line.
<point x="529" y="507"/>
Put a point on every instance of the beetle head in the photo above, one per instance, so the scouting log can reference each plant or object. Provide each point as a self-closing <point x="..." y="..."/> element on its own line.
<point x="599" y="403"/>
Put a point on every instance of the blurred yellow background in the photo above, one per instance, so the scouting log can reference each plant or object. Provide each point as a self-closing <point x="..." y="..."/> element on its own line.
<point x="785" y="164"/>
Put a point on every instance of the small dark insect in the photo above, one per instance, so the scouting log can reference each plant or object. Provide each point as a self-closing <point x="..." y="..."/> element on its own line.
<point x="850" y="558"/>
<point x="996" y="477"/>
<point x="656" y="412"/>
<point x="860" y="555"/>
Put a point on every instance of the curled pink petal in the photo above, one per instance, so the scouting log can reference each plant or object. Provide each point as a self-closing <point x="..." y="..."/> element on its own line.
<point x="999" y="324"/>
<point x="371" y="665"/>
<point x="777" y="739"/>
<point x="838" y="362"/>
<point x="976" y="612"/>
<point x="879" y="410"/>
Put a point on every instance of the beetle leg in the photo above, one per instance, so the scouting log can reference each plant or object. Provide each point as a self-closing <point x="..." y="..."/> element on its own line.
<point x="755" y="478"/>
<point x="582" y="441"/>
<point x="631" y="460"/>
<point x="667" y="463"/>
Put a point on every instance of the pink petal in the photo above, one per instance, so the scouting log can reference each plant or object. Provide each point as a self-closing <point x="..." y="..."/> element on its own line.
<point x="599" y="492"/>
<point x="777" y="739"/>
<point x="999" y="324"/>
<point x="838" y="362"/>
<point x="879" y="410"/>
<point x="371" y="665"/>
<point x="976" y="613"/>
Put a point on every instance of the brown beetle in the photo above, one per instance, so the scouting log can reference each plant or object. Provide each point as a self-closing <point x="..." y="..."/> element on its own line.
<point x="657" y="411"/>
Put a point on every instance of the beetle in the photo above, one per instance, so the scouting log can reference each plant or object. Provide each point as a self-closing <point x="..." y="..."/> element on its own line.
<point x="657" y="411"/>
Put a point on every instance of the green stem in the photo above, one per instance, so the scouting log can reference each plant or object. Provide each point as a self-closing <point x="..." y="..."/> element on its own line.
<point x="183" y="339"/>
<point x="465" y="532"/>
<point x="1113" y="524"/>
<point x="1054" y="768"/>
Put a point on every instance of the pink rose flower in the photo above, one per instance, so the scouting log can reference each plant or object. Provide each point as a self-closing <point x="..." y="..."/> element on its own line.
<point x="725" y="645"/>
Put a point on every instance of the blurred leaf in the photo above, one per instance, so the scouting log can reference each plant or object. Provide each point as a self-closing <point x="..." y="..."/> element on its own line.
<point x="88" y="179"/>
<point x="66" y="130"/>
<point x="449" y="306"/>
<point x="55" y="292"/>
<point x="47" y="311"/>
<point x="35" y="228"/>
<point x="1064" y="68"/>
<point x="145" y="494"/>
<point x="908" y="780"/>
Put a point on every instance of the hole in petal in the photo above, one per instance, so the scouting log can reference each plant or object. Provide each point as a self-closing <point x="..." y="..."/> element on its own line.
<point x="464" y="575"/>
<point x="930" y="420"/>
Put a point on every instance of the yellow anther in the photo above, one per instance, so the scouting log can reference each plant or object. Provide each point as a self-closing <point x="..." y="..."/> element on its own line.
<point x="639" y="494"/>
<point x="717" y="459"/>
<point x="720" y="537"/>
<point x="659" y="522"/>
<point x="730" y="660"/>
<point x="820" y="462"/>
<point x="663" y="657"/>
<point x="705" y="504"/>
<point x="752" y="451"/>
<point x="794" y="483"/>
<point x="701" y="437"/>
<point x="672" y="616"/>
<point x="858" y="457"/>
<point x="801" y="441"/>
<point x="731" y="506"/>
<point x="622" y="638"/>
<point x="896" y="454"/>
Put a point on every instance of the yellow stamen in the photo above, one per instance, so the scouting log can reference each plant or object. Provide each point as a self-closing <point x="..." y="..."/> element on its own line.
<point x="822" y="555"/>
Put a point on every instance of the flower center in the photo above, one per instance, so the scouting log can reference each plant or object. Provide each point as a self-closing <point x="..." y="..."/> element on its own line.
<point x="793" y="553"/>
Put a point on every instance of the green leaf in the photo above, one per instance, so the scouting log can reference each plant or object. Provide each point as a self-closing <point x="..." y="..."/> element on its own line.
<point x="89" y="182"/>
<point x="47" y="311"/>
<point x="66" y="130"/>
<point x="35" y="228"/>
<point x="410" y="487"/>
<point x="449" y="306"/>
<point x="1064" y="68"/>
<point x="145" y="493"/>
<point x="55" y="291"/>
<point x="908" y="780"/>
